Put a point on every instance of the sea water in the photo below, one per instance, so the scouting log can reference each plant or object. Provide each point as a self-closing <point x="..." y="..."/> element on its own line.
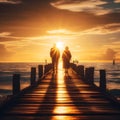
<point x="6" y="74"/>
<point x="8" y="69"/>
<point x="112" y="75"/>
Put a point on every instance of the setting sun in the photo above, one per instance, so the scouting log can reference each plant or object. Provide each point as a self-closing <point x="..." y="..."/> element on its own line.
<point x="60" y="45"/>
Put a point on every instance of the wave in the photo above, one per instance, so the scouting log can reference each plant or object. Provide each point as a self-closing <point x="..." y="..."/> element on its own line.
<point x="115" y="92"/>
<point x="5" y="92"/>
<point x="8" y="69"/>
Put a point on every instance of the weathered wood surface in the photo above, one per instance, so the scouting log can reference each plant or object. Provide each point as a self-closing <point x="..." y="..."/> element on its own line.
<point x="66" y="97"/>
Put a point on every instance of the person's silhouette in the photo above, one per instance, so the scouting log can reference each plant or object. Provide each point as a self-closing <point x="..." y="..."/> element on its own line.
<point x="55" y="55"/>
<point x="66" y="57"/>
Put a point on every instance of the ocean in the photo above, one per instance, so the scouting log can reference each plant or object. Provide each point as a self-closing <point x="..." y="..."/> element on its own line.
<point x="8" y="69"/>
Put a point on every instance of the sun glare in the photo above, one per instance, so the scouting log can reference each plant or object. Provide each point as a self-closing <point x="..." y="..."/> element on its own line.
<point x="60" y="45"/>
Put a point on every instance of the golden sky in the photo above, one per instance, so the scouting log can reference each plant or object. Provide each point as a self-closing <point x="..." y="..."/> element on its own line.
<point x="29" y="28"/>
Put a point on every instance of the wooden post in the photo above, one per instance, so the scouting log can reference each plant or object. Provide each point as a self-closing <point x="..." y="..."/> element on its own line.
<point x="80" y="71"/>
<point x="103" y="80"/>
<point x="40" y="71"/>
<point x="16" y="84"/>
<point x="45" y="69"/>
<point x="33" y="76"/>
<point x="89" y="75"/>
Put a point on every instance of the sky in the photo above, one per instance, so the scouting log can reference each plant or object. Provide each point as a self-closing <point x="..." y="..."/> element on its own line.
<point x="29" y="28"/>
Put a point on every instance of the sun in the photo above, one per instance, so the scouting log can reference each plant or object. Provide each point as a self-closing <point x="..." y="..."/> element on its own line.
<point x="60" y="45"/>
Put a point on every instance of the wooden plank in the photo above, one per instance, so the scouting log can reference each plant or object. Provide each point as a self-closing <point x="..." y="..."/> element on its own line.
<point x="63" y="117"/>
<point x="71" y="99"/>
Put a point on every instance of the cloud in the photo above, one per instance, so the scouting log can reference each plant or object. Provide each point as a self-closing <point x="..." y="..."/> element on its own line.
<point x="4" y="34"/>
<point x="99" y="30"/>
<point x="110" y="54"/>
<point x="103" y="29"/>
<point x="64" y="34"/>
<point x="7" y="37"/>
<point x="20" y="23"/>
<point x="97" y="7"/>
<point x="10" y="1"/>
<point x="117" y="1"/>
<point x="4" y="53"/>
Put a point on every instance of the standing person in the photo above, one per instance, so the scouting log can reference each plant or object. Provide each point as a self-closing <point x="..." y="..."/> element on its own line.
<point x="66" y="57"/>
<point x="55" y="55"/>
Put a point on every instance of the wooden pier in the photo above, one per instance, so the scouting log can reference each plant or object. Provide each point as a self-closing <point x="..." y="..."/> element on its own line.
<point x="62" y="96"/>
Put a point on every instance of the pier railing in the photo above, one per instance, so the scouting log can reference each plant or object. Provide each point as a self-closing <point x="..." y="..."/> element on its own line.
<point x="16" y="83"/>
<point x="42" y="71"/>
<point x="87" y="74"/>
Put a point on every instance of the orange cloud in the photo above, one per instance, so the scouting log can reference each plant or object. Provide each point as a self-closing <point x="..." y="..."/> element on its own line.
<point x="10" y="1"/>
<point x="4" y="53"/>
<point x="104" y="29"/>
<point x="92" y="6"/>
<point x="117" y="1"/>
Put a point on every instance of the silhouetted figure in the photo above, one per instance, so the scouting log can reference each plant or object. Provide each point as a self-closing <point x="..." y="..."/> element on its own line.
<point x="55" y="55"/>
<point x="66" y="57"/>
